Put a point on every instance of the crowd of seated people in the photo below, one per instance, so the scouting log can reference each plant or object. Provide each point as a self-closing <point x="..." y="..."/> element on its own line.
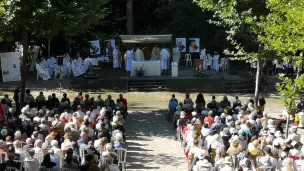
<point x="83" y="133"/>
<point x="230" y="136"/>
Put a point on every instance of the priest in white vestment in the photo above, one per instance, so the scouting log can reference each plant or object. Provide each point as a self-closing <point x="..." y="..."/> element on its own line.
<point x="203" y="57"/>
<point x="42" y="72"/>
<point x="164" y="54"/>
<point x="129" y="59"/>
<point x="216" y="61"/>
<point x="52" y="64"/>
<point x="67" y="65"/>
<point x="116" y="58"/>
<point x="155" y="54"/>
<point x="76" y="70"/>
<point x="45" y="65"/>
<point x="139" y="55"/>
<point x="176" y="54"/>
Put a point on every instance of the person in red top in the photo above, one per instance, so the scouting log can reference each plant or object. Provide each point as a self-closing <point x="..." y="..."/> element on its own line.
<point x="209" y="119"/>
<point x="124" y="101"/>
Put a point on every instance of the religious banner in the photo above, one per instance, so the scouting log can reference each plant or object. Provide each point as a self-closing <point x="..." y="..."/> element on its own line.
<point x="35" y="52"/>
<point x="95" y="47"/>
<point x="181" y="44"/>
<point x="10" y="64"/>
<point x="194" y="45"/>
<point x="110" y="47"/>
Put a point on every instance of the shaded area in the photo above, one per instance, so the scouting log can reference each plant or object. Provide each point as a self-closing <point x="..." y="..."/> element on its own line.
<point x="150" y="141"/>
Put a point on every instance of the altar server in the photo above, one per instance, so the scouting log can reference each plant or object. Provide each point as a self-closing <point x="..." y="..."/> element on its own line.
<point x="67" y="65"/>
<point x="129" y="59"/>
<point x="139" y="55"/>
<point x="116" y="58"/>
<point x="216" y="61"/>
<point x="208" y="62"/>
<point x="176" y="54"/>
<point x="164" y="54"/>
<point x="203" y="57"/>
<point x="42" y="72"/>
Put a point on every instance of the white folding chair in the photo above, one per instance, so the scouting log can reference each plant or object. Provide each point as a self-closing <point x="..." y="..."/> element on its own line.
<point x="5" y="157"/>
<point x="31" y="165"/>
<point x="188" y="59"/>
<point x="39" y="156"/>
<point x="122" y="156"/>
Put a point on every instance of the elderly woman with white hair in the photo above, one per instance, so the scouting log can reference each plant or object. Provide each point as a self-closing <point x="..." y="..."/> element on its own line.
<point x="54" y="146"/>
<point x="108" y="151"/>
<point x="119" y="143"/>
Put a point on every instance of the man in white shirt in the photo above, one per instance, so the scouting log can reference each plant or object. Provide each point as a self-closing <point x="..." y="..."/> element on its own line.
<point x="164" y="54"/>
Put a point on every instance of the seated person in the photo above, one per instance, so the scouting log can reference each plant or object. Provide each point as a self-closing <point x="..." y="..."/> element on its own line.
<point x="42" y="71"/>
<point x="173" y="103"/>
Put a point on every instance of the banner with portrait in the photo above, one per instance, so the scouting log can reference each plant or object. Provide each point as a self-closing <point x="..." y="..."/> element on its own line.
<point x="110" y="45"/>
<point x="95" y="47"/>
<point x="10" y="64"/>
<point x="194" y="45"/>
<point x="181" y="44"/>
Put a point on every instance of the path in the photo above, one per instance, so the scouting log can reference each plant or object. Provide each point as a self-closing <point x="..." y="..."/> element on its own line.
<point x="150" y="142"/>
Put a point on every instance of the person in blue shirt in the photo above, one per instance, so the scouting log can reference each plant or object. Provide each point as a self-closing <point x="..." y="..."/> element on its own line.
<point x="173" y="103"/>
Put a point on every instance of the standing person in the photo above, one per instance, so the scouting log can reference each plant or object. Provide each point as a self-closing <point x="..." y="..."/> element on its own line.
<point x="129" y="59"/>
<point x="124" y="102"/>
<point x="164" y="54"/>
<point x="203" y="58"/>
<point x="16" y="99"/>
<point x="139" y="55"/>
<point x="216" y="61"/>
<point x="176" y="54"/>
<point x="110" y="102"/>
<point x="116" y="58"/>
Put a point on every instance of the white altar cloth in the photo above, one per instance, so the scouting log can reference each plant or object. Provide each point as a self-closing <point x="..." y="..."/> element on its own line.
<point x="103" y="59"/>
<point x="151" y="68"/>
<point x="92" y="61"/>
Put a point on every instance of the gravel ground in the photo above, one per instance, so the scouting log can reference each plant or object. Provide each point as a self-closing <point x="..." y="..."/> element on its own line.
<point x="150" y="142"/>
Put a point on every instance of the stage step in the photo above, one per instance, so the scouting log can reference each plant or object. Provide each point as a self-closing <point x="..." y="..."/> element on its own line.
<point x="239" y="86"/>
<point x="147" y="85"/>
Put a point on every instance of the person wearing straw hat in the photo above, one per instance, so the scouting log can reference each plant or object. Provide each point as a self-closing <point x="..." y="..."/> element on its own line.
<point x="202" y="164"/>
<point x="228" y="162"/>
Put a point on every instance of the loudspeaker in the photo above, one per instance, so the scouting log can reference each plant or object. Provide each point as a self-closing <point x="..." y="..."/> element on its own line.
<point x="59" y="60"/>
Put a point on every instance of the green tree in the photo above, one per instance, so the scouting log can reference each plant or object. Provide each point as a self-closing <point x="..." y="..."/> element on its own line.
<point x="244" y="21"/>
<point x="46" y="18"/>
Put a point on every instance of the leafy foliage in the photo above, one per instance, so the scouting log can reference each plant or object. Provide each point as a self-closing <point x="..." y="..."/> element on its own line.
<point x="288" y="89"/>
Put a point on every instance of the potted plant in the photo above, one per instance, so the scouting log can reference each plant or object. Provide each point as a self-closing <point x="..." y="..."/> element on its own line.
<point x="139" y="72"/>
<point x="199" y="71"/>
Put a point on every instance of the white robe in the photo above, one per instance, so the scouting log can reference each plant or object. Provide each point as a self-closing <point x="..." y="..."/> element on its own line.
<point x="176" y="55"/>
<point x="203" y="58"/>
<point x="115" y="59"/>
<point x="216" y="62"/>
<point x="42" y="72"/>
<point x="129" y="59"/>
<point x="155" y="54"/>
<point x="45" y="65"/>
<point x="67" y="65"/>
<point x="139" y="55"/>
<point x="227" y="63"/>
<point x="164" y="54"/>
<point x="77" y="71"/>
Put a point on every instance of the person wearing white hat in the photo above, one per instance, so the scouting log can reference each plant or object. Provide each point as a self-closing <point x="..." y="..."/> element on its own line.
<point x="228" y="164"/>
<point x="195" y="119"/>
<point x="295" y="153"/>
<point x="181" y="122"/>
<point x="278" y="138"/>
<point x="205" y="130"/>
<point x="202" y="165"/>
<point x="293" y="135"/>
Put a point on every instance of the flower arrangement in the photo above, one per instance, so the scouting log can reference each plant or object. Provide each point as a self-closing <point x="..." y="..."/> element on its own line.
<point x="199" y="72"/>
<point x="139" y="72"/>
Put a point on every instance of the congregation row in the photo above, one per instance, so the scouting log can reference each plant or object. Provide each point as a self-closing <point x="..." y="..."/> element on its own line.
<point x="225" y="136"/>
<point x="51" y="134"/>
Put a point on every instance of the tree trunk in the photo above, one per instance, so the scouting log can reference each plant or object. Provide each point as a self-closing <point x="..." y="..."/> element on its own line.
<point x="23" y="72"/>
<point x="257" y="80"/>
<point x="49" y="48"/>
<point x="130" y="17"/>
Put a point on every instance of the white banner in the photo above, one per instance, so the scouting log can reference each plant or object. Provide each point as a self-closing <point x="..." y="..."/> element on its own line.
<point x="34" y="58"/>
<point x="10" y="66"/>
<point x="96" y="47"/>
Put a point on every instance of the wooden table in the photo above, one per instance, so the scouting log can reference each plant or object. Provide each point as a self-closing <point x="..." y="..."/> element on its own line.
<point x="198" y="62"/>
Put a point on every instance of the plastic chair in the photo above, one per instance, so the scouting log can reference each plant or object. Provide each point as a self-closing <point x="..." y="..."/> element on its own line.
<point x="188" y="59"/>
<point x="122" y="156"/>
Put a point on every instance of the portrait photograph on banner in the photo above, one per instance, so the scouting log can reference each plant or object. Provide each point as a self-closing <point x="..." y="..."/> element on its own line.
<point x="95" y="47"/>
<point x="194" y="45"/>
<point x="110" y="45"/>
<point x="181" y="44"/>
<point x="10" y="65"/>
